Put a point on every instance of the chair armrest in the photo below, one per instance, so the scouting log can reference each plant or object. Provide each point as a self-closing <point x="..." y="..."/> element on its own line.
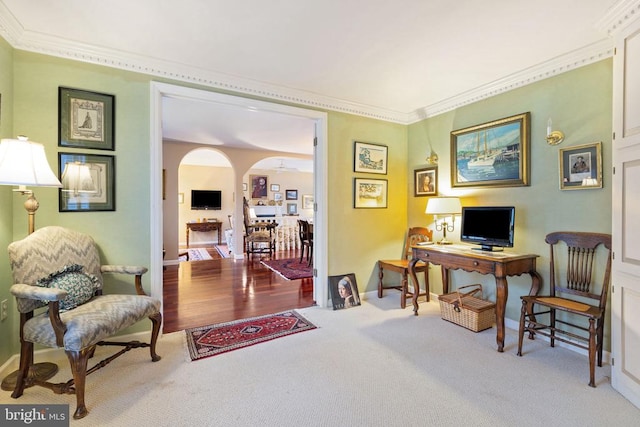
<point x="21" y="290"/>
<point x="124" y="269"/>
<point x="128" y="269"/>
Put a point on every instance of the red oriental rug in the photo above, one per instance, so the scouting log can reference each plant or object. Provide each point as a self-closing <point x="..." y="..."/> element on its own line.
<point x="290" y="268"/>
<point x="207" y="341"/>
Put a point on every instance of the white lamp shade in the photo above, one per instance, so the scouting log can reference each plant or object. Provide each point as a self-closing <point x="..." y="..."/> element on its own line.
<point x="443" y="206"/>
<point x="76" y="178"/>
<point x="24" y="163"/>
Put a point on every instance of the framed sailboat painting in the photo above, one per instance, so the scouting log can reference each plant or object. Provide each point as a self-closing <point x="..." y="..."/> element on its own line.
<point x="494" y="154"/>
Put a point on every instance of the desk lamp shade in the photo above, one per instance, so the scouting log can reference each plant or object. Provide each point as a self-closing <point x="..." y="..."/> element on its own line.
<point x="444" y="206"/>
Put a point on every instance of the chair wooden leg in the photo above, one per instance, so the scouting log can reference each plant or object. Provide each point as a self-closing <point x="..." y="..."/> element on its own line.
<point x="552" y="330"/>
<point x="156" y="320"/>
<point x="599" y="338"/>
<point x="78" y="361"/>
<point x="310" y="255"/>
<point x="592" y="352"/>
<point x="405" y="285"/>
<point x="380" y="275"/>
<point x="523" y="312"/>
<point x="26" y="360"/>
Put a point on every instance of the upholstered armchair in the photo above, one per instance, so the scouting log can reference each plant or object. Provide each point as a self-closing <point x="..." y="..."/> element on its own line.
<point x="58" y="288"/>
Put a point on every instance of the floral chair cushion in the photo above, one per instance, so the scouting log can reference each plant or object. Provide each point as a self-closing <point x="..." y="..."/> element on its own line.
<point x="80" y="286"/>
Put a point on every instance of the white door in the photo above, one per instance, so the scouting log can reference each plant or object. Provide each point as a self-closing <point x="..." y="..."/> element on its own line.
<point x="625" y="297"/>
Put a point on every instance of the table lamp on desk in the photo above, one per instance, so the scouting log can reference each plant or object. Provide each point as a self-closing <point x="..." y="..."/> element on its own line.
<point x="444" y="206"/>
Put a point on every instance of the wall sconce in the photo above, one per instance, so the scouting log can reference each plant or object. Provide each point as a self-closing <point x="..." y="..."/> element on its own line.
<point x="554" y="137"/>
<point x="444" y="206"/>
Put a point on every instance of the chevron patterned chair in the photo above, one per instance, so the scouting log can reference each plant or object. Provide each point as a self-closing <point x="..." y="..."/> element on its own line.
<point x="60" y="269"/>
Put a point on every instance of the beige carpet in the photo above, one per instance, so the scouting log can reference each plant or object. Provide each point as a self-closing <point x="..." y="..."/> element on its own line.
<point x="373" y="365"/>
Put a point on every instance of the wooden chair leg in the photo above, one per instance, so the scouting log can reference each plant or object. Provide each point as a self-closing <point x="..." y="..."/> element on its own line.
<point x="78" y="361"/>
<point x="523" y="312"/>
<point x="26" y="360"/>
<point x="156" y="320"/>
<point x="592" y="352"/>
<point x="405" y="285"/>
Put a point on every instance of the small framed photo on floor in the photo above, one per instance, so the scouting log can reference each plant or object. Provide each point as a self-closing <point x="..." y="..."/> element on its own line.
<point x="344" y="291"/>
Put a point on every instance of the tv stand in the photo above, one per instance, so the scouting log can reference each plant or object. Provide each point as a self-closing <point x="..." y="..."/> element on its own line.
<point x="488" y="248"/>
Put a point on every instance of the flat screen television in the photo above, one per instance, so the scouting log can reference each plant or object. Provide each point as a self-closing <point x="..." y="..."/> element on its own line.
<point x="206" y="200"/>
<point x="491" y="227"/>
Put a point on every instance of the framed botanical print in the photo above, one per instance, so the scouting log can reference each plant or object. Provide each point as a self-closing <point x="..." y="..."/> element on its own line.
<point x="85" y="119"/>
<point x="88" y="182"/>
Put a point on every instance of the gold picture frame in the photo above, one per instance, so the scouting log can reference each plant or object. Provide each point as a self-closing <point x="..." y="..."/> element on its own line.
<point x="493" y="154"/>
<point x="581" y="167"/>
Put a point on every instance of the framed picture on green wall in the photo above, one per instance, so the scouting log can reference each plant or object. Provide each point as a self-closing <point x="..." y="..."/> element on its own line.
<point x="493" y="154"/>
<point x="85" y="119"/>
<point x="581" y="167"/>
<point x="88" y="182"/>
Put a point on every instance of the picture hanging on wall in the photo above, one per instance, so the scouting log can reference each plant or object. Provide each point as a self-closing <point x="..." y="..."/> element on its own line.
<point x="85" y="119"/>
<point x="494" y="154"/>
<point x="581" y="167"/>
<point x="88" y="182"/>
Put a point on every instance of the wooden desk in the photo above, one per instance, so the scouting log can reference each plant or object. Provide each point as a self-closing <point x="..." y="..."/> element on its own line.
<point x="499" y="264"/>
<point x="205" y="226"/>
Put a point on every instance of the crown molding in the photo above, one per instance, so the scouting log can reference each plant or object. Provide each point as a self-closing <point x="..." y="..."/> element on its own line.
<point x="30" y="41"/>
<point x="618" y="17"/>
<point x="578" y="58"/>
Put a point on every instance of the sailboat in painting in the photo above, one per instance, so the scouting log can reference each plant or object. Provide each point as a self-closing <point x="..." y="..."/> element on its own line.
<point x="484" y="158"/>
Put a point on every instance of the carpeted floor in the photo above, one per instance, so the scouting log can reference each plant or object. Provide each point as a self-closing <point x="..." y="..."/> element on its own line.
<point x="378" y="365"/>
<point x="290" y="268"/>
<point x="207" y="341"/>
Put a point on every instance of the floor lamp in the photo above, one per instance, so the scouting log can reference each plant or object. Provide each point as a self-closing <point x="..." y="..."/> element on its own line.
<point x="24" y="163"/>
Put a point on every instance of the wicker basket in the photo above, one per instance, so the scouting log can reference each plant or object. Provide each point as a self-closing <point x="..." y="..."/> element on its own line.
<point x="467" y="309"/>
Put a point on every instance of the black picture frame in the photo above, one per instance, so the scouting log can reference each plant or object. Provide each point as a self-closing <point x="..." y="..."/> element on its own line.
<point x="86" y="119"/>
<point x="370" y="158"/>
<point x="369" y="193"/>
<point x="493" y="154"/>
<point x="341" y="300"/>
<point x="425" y="182"/>
<point x="291" y="194"/>
<point x="96" y="195"/>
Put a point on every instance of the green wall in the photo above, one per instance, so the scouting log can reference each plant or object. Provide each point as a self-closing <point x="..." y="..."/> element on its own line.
<point x="8" y="326"/>
<point x="580" y="104"/>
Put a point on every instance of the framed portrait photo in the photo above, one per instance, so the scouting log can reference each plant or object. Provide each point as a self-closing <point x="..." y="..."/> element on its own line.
<point x="370" y="158"/>
<point x="369" y="193"/>
<point x="426" y="182"/>
<point x="88" y="182"/>
<point x="494" y="154"/>
<point x="85" y="119"/>
<point x="259" y="186"/>
<point x="581" y="167"/>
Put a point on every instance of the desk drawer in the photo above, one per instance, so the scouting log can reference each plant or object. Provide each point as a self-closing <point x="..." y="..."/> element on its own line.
<point x="454" y="262"/>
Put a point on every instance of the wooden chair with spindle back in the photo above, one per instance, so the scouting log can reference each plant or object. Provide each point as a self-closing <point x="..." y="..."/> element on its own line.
<point x="574" y="310"/>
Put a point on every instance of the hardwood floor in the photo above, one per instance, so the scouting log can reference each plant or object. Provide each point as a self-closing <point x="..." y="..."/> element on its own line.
<point x="201" y="293"/>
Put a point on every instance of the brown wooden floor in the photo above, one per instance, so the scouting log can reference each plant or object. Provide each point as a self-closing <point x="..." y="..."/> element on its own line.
<point x="201" y="293"/>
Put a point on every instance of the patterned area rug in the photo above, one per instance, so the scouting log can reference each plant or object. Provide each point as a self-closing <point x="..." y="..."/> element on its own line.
<point x="290" y="268"/>
<point x="223" y="250"/>
<point x="196" y="254"/>
<point x="208" y="341"/>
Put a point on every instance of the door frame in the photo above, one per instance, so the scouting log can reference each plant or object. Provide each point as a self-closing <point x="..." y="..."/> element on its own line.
<point x="158" y="91"/>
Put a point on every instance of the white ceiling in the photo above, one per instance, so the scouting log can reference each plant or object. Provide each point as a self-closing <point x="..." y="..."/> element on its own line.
<point x="396" y="60"/>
